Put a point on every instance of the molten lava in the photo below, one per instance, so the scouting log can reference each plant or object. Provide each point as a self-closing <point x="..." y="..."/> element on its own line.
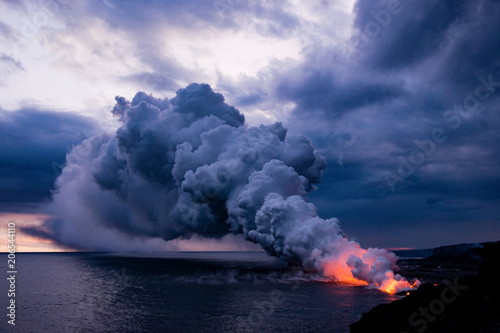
<point x="396" y="283"/>
<point x="372" y="267"/>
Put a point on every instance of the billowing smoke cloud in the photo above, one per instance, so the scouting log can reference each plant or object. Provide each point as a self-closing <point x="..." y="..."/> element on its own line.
<point x="189" y="167"/>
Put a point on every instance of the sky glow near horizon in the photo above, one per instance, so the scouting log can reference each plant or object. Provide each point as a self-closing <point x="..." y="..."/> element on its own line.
<point x="63" y="62"/>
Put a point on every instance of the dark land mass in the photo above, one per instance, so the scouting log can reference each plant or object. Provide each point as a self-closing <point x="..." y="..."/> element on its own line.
<point x="461" y="293"/>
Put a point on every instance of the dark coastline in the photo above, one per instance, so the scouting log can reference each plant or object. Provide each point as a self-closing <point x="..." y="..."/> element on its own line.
<point x="460" y="294"/>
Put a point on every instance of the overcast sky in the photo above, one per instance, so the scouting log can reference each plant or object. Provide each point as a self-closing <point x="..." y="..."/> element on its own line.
<point x="401" y="97"/>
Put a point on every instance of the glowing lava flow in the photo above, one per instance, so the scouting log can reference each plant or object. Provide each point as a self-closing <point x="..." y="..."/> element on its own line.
<point x="396" y="283"/>
<point x="372" y="267"/>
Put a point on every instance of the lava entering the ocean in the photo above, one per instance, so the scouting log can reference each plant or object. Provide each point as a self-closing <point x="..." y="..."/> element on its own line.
<point x="372" y="267"/>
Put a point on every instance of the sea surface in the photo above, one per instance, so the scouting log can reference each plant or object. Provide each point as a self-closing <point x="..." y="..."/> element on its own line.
<point x="177" y="292"/>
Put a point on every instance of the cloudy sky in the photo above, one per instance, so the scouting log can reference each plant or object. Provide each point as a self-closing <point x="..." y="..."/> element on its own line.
<point x="401" y="97"/>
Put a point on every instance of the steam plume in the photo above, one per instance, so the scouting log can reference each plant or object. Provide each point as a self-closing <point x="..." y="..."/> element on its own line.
<point x="189" y="166"/>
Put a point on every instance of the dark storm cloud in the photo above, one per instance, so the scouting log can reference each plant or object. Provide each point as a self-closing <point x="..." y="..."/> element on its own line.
<point x="457" y="38"/>
<point x="408" y="33"/>
<point x="474" y="48"/>
<point x="332" y="90"/>
<point x="33" y="145"/>
<point x="334" y="93"/>
<point x="379" y="102"/>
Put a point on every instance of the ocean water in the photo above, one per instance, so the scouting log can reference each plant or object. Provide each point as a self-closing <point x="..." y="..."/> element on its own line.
<point x="177" y="292"/>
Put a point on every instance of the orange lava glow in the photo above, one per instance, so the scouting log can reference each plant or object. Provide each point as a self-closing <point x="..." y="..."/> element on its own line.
<point x="392" y="285"/>
<point x="337" y="269"/>
<point x="340" y="272"/>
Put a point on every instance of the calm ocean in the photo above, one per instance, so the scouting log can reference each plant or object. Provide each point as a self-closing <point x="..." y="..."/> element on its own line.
<point x="176" y="292"/>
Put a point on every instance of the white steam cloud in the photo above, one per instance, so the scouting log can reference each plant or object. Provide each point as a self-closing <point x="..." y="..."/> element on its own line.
<point x="190" y="166"/>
